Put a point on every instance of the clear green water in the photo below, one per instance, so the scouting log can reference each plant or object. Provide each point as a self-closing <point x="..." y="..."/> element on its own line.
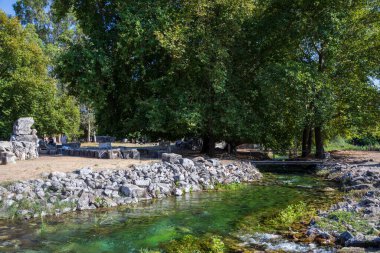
<point x="148" y="225"/>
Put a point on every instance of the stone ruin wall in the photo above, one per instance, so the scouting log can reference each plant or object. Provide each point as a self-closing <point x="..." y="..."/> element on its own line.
<point x="23" y="144"/>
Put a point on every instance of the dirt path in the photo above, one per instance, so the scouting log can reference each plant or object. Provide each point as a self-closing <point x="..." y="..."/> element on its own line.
<point x="356" y="156"/>
<point x="31" y="169"/>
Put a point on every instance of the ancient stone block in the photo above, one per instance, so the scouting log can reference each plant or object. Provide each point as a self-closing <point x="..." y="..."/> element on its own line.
<point x="171" y="157"/>
<point x="7" y="158"/>
<point x="23" y="126"/>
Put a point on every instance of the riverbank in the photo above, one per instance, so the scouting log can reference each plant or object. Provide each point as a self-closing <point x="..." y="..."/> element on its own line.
<point x="183" y="223"/>
<point x="354" y="222"/>
<point x="85" y="189"/>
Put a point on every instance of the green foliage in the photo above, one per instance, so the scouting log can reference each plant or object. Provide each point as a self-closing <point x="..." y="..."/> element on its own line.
<point x="341" y="220"/>
<point x="25" y="86"/>
<point x="192" y="244"/>
<point x="239" y="70"/>
<point x="292" y="214"/>
<point x="149" y="251"/>
<point x="339" y="143"/>
<point x="231" y="186"/>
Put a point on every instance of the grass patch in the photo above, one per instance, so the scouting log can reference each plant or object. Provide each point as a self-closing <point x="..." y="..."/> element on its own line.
<point x="149" y="251"/>
<point x="340" y="143"/>
<point x="341" y="220"/>
<point x="192" y="244"/>
<point x="225" y="187"/>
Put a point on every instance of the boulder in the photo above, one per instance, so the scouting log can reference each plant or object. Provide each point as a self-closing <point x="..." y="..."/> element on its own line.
<point x="171" y="157"/>
<point x="7" y="158"/>
<point x="25" y="150"/>
<point x="131" y="154"/>
<point x="83" y="201"/>
<point x="130" y="190"/>
<point x="365" y="242"/>
<point x="6" y="146"/>
<point x="142" y="182"/>
<point x="22" y="126"/>
<point x="84" y="171"/>
<point x="178" y="192"/>
<point x="187" y="163"/>
<point x="344" y="237"/>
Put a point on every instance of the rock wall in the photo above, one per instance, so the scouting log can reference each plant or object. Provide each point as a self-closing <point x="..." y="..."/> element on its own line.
<point x="86" y="189"/>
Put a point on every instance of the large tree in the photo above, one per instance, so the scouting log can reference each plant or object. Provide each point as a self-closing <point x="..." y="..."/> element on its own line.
<point x="275" y="72"/>
<point x="26" y="89"/>
<point x="312" y="66"/>
<point x="160" y="67"/>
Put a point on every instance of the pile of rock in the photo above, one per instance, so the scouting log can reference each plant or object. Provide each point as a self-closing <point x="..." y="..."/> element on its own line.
<point x="362" y="184"/>
<point x="85" y="189"/>
<point x="23" y="144"/>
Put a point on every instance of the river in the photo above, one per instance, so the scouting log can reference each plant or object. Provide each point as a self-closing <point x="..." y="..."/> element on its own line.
<point x="150" y="225"/>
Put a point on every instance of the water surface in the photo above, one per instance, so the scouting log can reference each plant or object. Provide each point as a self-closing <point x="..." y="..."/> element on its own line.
<point x="147" y="225"/>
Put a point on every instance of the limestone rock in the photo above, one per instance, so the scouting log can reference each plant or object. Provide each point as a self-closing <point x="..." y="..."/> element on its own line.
<point x="187" y="163"/>
<point x="131" y="154"/>
<point x="344" y="237"/>
<point x="7" y="158"/>
<point x="22" y="126"/>
<point x="6" y="146"/>
<point x="171" y="157"/>
<point x="26" y="138"/>
<point x="130" y="190"/>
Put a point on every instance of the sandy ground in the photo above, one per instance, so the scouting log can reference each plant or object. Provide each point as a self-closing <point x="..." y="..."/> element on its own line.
<point x="356" y="156"/>
<point x="31" y="169"/>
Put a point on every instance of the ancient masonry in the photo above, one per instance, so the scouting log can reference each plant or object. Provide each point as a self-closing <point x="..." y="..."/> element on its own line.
<point x="23" y="144"/>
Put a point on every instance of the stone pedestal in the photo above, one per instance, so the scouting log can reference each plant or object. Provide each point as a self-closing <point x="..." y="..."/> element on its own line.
<point x="7" y="158"/>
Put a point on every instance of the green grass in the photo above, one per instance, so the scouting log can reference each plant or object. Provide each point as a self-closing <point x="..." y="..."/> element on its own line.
<point x="192" y="244"/>
<point x="149" y="251"/>
<point x="225" y="187"/>
<point x="341" y="220"/>
<point x="292" y="214"/>
<point x="339" y="143"/>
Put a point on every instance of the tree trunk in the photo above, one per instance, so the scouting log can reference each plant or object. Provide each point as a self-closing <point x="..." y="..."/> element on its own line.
<point x="231" y="147"/>
<point x="208" y="146"/>
<point x="319" y="153"/>
<point x="89" y="131"/>
<point x="305" y="142"/>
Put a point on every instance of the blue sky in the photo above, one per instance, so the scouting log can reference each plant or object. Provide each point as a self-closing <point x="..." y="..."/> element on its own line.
<point x="6" y="6"/>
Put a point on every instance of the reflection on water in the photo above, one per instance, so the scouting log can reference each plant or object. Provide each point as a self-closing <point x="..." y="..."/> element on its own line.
<point x="146" y="225"/>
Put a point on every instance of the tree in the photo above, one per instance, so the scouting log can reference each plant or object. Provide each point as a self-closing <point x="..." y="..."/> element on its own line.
<point x="25" y="86"/>
<point x="158" y="67"/>
<point x="273" y="72"/>
<point x="313" y="55"/>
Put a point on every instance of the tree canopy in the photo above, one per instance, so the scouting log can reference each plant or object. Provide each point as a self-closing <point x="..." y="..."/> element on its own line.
<point x="280" y="73"/>
<point x="26" y="89"/>
<point x="271" y="72"/>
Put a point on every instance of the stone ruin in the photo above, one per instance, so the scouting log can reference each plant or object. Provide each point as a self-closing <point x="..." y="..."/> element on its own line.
<point x="23" y="144"/>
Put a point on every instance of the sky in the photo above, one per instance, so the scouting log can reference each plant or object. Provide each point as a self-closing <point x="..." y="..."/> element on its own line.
<point x="6" y="6"/>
